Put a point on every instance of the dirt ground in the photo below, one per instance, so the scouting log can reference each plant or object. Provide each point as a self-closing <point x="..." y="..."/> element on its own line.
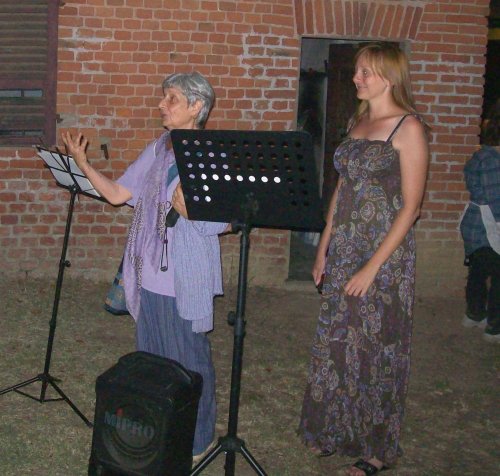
<point x="451" y="426"/>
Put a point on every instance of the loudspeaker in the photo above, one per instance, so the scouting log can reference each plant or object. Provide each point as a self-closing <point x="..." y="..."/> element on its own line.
<point x="145" y="418"/>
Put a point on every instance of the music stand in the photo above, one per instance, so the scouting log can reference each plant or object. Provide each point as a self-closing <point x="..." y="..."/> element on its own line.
<point x="251" y="179"/>
<point x="70" y="177"/>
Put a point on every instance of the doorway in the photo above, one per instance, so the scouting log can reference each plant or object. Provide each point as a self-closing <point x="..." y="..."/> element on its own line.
<point x="327" y="99"/>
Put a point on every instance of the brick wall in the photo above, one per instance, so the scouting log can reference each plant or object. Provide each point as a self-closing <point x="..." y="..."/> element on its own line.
<point x="113" y="55"/>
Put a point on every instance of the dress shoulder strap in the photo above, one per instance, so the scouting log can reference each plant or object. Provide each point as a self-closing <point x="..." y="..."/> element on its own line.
<point x="397" y="127"/>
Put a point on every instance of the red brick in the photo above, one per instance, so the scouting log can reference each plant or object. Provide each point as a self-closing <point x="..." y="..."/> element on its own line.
<point x="109" y="85"/>
<point x="338" y="15"/>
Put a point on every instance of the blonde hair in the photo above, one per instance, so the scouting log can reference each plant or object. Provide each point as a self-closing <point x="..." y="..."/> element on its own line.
<point x="391" y="63"/>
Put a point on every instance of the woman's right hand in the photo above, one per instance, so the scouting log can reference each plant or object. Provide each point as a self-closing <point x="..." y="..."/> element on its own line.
<point x="76" y="147"/>
<point x="318" y="267"/>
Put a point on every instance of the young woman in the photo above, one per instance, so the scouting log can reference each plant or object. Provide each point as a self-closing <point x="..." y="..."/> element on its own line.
<point x="358" y="376"/>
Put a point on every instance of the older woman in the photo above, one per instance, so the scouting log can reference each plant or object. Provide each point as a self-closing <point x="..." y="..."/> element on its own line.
<point x="171" y="274"/>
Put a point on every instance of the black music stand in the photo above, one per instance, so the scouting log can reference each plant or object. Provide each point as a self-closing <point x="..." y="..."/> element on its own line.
<point x="251" y="179"/>
<point x="70" y="177"/>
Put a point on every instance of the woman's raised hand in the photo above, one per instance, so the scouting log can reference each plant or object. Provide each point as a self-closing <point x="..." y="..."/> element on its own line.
<point x="112" y="191"/>
<point x="76" y="147"/>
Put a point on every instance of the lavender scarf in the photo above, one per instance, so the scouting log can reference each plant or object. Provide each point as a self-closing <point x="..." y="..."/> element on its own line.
<point x="147" y="232"/>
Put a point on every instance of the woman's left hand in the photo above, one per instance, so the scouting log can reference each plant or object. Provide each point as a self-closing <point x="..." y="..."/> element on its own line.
<point x="361" y="281"/>
<point x="178" y="202"/>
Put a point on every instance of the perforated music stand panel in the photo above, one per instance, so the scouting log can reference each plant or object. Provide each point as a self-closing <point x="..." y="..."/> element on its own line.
<point x="226" y="172"/>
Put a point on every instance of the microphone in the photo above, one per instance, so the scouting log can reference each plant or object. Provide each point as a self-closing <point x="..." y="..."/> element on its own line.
<point x="171" y="218"/>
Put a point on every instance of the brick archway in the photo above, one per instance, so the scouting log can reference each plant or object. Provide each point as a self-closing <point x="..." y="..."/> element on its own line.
<point x="359" y="19"/>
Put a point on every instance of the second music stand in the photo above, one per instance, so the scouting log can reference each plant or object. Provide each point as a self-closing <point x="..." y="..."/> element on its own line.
<point x="70" y="177"/>
<point x="250" y="179"/>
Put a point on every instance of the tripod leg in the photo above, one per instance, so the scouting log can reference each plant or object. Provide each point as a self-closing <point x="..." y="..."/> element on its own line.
<point x="252" y="462"/>
<point x="69" y="402"/>
<point x="20" y="385"/>
<point x="230" y="465"/>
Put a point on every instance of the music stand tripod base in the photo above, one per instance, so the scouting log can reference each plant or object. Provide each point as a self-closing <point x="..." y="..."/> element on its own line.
<point x="68" y="176"/>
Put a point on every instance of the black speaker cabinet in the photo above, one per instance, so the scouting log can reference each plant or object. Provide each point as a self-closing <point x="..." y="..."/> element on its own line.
<point x="145" y="418"/>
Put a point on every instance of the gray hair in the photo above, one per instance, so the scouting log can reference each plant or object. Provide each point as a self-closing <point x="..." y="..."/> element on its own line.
<point x="196" y="88"/>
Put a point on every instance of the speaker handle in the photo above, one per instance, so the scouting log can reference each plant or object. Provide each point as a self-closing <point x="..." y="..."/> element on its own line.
<point x="183" y="370"/>
<point x="160" y="361"/>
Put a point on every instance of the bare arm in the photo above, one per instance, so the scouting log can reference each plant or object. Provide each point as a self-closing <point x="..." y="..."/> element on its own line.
<point x="414" y="157"/>
<point x="113" y="192"/>
<point x="320" y="261"/>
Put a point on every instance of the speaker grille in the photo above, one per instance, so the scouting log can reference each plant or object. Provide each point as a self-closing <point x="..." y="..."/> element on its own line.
<point x="131" y="431"/>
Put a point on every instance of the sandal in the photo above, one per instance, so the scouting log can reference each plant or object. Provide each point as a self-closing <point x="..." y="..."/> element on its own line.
<point x="197" y="458"/>
<point x="368" y="468"/>
<point x="320" y="453"/>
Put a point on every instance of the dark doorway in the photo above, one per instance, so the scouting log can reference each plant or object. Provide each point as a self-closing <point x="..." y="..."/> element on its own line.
<point x="492" y="68"/>
<point x="327" y="98"/>
<point x="340" y="106"/>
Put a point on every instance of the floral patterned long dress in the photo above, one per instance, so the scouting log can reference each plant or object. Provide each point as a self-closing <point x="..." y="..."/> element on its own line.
<point x="358" y="376"/>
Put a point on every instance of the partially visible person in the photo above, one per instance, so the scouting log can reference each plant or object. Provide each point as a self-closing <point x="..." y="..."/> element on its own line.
<point x="358" y="376"/>
<point x="171" y="274"/>
<point x="480" y="228"/>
